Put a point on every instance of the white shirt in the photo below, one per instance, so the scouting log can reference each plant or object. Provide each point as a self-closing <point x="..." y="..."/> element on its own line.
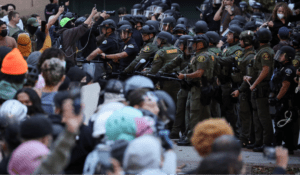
<point x="20" y="24"/>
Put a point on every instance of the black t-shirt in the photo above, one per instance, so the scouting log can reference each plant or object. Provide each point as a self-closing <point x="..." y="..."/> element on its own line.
<point x="132" y="50"/>
<point x="208" y="17"/>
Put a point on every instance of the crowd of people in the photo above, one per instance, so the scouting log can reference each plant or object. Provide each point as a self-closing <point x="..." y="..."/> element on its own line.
<point x="227" y="82"/>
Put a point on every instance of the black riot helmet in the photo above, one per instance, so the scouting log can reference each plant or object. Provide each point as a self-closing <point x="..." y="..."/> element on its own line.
<point x="241" y="19"/>
<point x="201" y="27"/>
<point x="192" y="43"/>
<point x="124" y="32"/>
<point x="153" y="23"/>
<point x="285" y="51"/>
<point x="167" y="107"/>
<point x="165" y="37"/>
<point x="247" y="37"/>
<point x="295" y="40"/>
<point x="236" y="30"/>
<point x="136" y="10"/>
<point x="79" y="21"/>
<point x="140" y="19"/>
<point x="148" y="29"/>
<point x="175" y="7"/>
<point x="180" y="28"/>
<point x="213" y="37"/>
<point x="183" y="20"/>
<point x="129" y="18"/>
<point x="109" y="23"/>
<point x="181" y="42"/>
<point x="264" y="35"/>
<point x="124" y="22"/>
<point x="236" y="22"/>
<point x="250" y="26"/>
<point x="168" y="24"/>
<point x="243" y="6"/>
<point x="256" y="5"/>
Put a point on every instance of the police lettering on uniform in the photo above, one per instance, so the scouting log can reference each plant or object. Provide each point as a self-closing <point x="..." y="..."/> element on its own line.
<point x="128" y="50"/>
<point x="164" y="55"/>
<point x="181" y="62"/>
<point x="201" y="66"/>
<point x="286" y="113"/>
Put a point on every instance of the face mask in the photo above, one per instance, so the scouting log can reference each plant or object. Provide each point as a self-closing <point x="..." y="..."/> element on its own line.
<point x="4" y="33"/>
<point x="280" y="16"/>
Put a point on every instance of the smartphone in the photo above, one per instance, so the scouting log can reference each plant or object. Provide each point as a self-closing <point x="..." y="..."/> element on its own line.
<point x="43" y="26"/>
<point x="95" y="6"/>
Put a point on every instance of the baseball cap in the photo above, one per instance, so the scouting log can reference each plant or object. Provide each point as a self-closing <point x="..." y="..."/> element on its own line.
<point x="64" y="21"/>
<point x="33" y="21"/>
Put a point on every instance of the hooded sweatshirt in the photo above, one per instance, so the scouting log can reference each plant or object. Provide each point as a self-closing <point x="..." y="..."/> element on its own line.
<point x="143" y="155"/>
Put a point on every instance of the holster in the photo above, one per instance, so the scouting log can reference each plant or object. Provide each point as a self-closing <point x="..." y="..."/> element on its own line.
<point x="261" y="91"/>
<point x="206" y="95"/>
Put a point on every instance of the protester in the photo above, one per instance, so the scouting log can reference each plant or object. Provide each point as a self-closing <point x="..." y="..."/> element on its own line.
<point x="12" y="8"/>
<point x="13" y="71"/>
<point x="30" y="98"/>
<point x="14" y="18"/>
<point x="4" y="39"/>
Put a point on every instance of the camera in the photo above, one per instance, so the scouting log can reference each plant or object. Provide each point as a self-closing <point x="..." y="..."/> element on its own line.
<point x="111" y="13"/>
<point x="269" y="153"/>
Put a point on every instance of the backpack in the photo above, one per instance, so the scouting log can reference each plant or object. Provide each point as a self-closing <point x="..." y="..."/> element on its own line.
<point x="57" y="43"/>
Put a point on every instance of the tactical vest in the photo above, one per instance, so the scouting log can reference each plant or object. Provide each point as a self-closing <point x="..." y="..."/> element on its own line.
<point x="237" y="77"/>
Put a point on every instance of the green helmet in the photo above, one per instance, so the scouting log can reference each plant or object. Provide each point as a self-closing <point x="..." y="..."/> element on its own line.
<point x="248" y="37"/>
<point x="64" y="21"/>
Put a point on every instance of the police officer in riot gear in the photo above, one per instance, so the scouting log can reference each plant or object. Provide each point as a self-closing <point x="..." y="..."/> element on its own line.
<point x="201" y="66"/>
<point x="259" y="78"/>
<point x="229" y="55"/>
<point x="168" y="24"/>
<point x="243" y="92"/>
<point x="108" y="46"/>
<point x="136" y="10"/>
<point x="296" y="45"/>
<point x="153" y="23"/>
<point x="139" y="21"/>
<point x="286" y="113"/>
<point x="214" y="39"/>
<point x="124" y="22"/>
<point x="127" y="52"/>
<point x="181" y="62"/>
<point x="244" y="7"/>
<point x="200" y="27"/>
<point x="149" y="49"/>
<point x="136" y="35"/>
<point x="164" y="55"/>
<point x="179" y="30"/>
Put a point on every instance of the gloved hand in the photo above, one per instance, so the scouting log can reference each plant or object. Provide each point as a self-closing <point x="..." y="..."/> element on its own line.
<point x="273" y="101"/>
<point x="165" y="139"/>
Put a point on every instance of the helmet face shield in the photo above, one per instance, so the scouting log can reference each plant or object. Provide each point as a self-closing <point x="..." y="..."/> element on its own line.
<point x="135" y="12"/>
<point x="279" y="56"/>
<point x="179" y="44"/>
<point x="216" y="1"/>
<point x="203" y="7"/>
<point x="191" y="47"/>
<point x="157" y="41"/>
<point x="158" y="10"/>
<point x="153" y="8"/>
<point x="148" y="13"/>
<point x="124" y="34"/>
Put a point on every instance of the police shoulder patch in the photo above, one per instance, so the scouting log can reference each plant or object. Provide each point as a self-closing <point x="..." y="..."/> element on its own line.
<point x="146" y="49"/>
<point x="266" y="56"/>
<point x="295" y="63"/>
<point x="131" y="46"/>
<point x="104" y="42"/>
<point x="171" y="51"/>
<point x="156" y="57"/>
<point x="288" y="71"/>
<point x="238" y="53"/>
<point x="201" y="59"/>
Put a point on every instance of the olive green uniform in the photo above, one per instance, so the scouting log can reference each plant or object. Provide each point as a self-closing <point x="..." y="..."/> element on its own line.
<point x="161" y="58"/>
<point x="296" y="64"/>
<point x="146" y="53"/>
<point x="259" y="96"/>
<point x="198" y="111"/>
<point x="245" y="111"/>
<point x="182" y="95"/>
<point x="215" y="107"/>
<point x="226" y="60"/>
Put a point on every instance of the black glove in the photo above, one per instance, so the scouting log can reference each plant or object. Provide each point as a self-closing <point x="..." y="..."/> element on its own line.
<point x="273" y="101"/>
<point x="165" y="140"/>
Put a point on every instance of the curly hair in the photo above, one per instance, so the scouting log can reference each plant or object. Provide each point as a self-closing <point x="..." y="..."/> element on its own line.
<point x="287" y="11"/>
<point x="206" y="132"/>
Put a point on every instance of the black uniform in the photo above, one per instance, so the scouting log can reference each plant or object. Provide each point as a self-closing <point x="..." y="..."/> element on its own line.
<point x="137" y="36"/>
<point x="285" y="133"/>
<point x="132" y="50"/>
<point x="109" y="46"/>
<point x="208" y="17"/>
